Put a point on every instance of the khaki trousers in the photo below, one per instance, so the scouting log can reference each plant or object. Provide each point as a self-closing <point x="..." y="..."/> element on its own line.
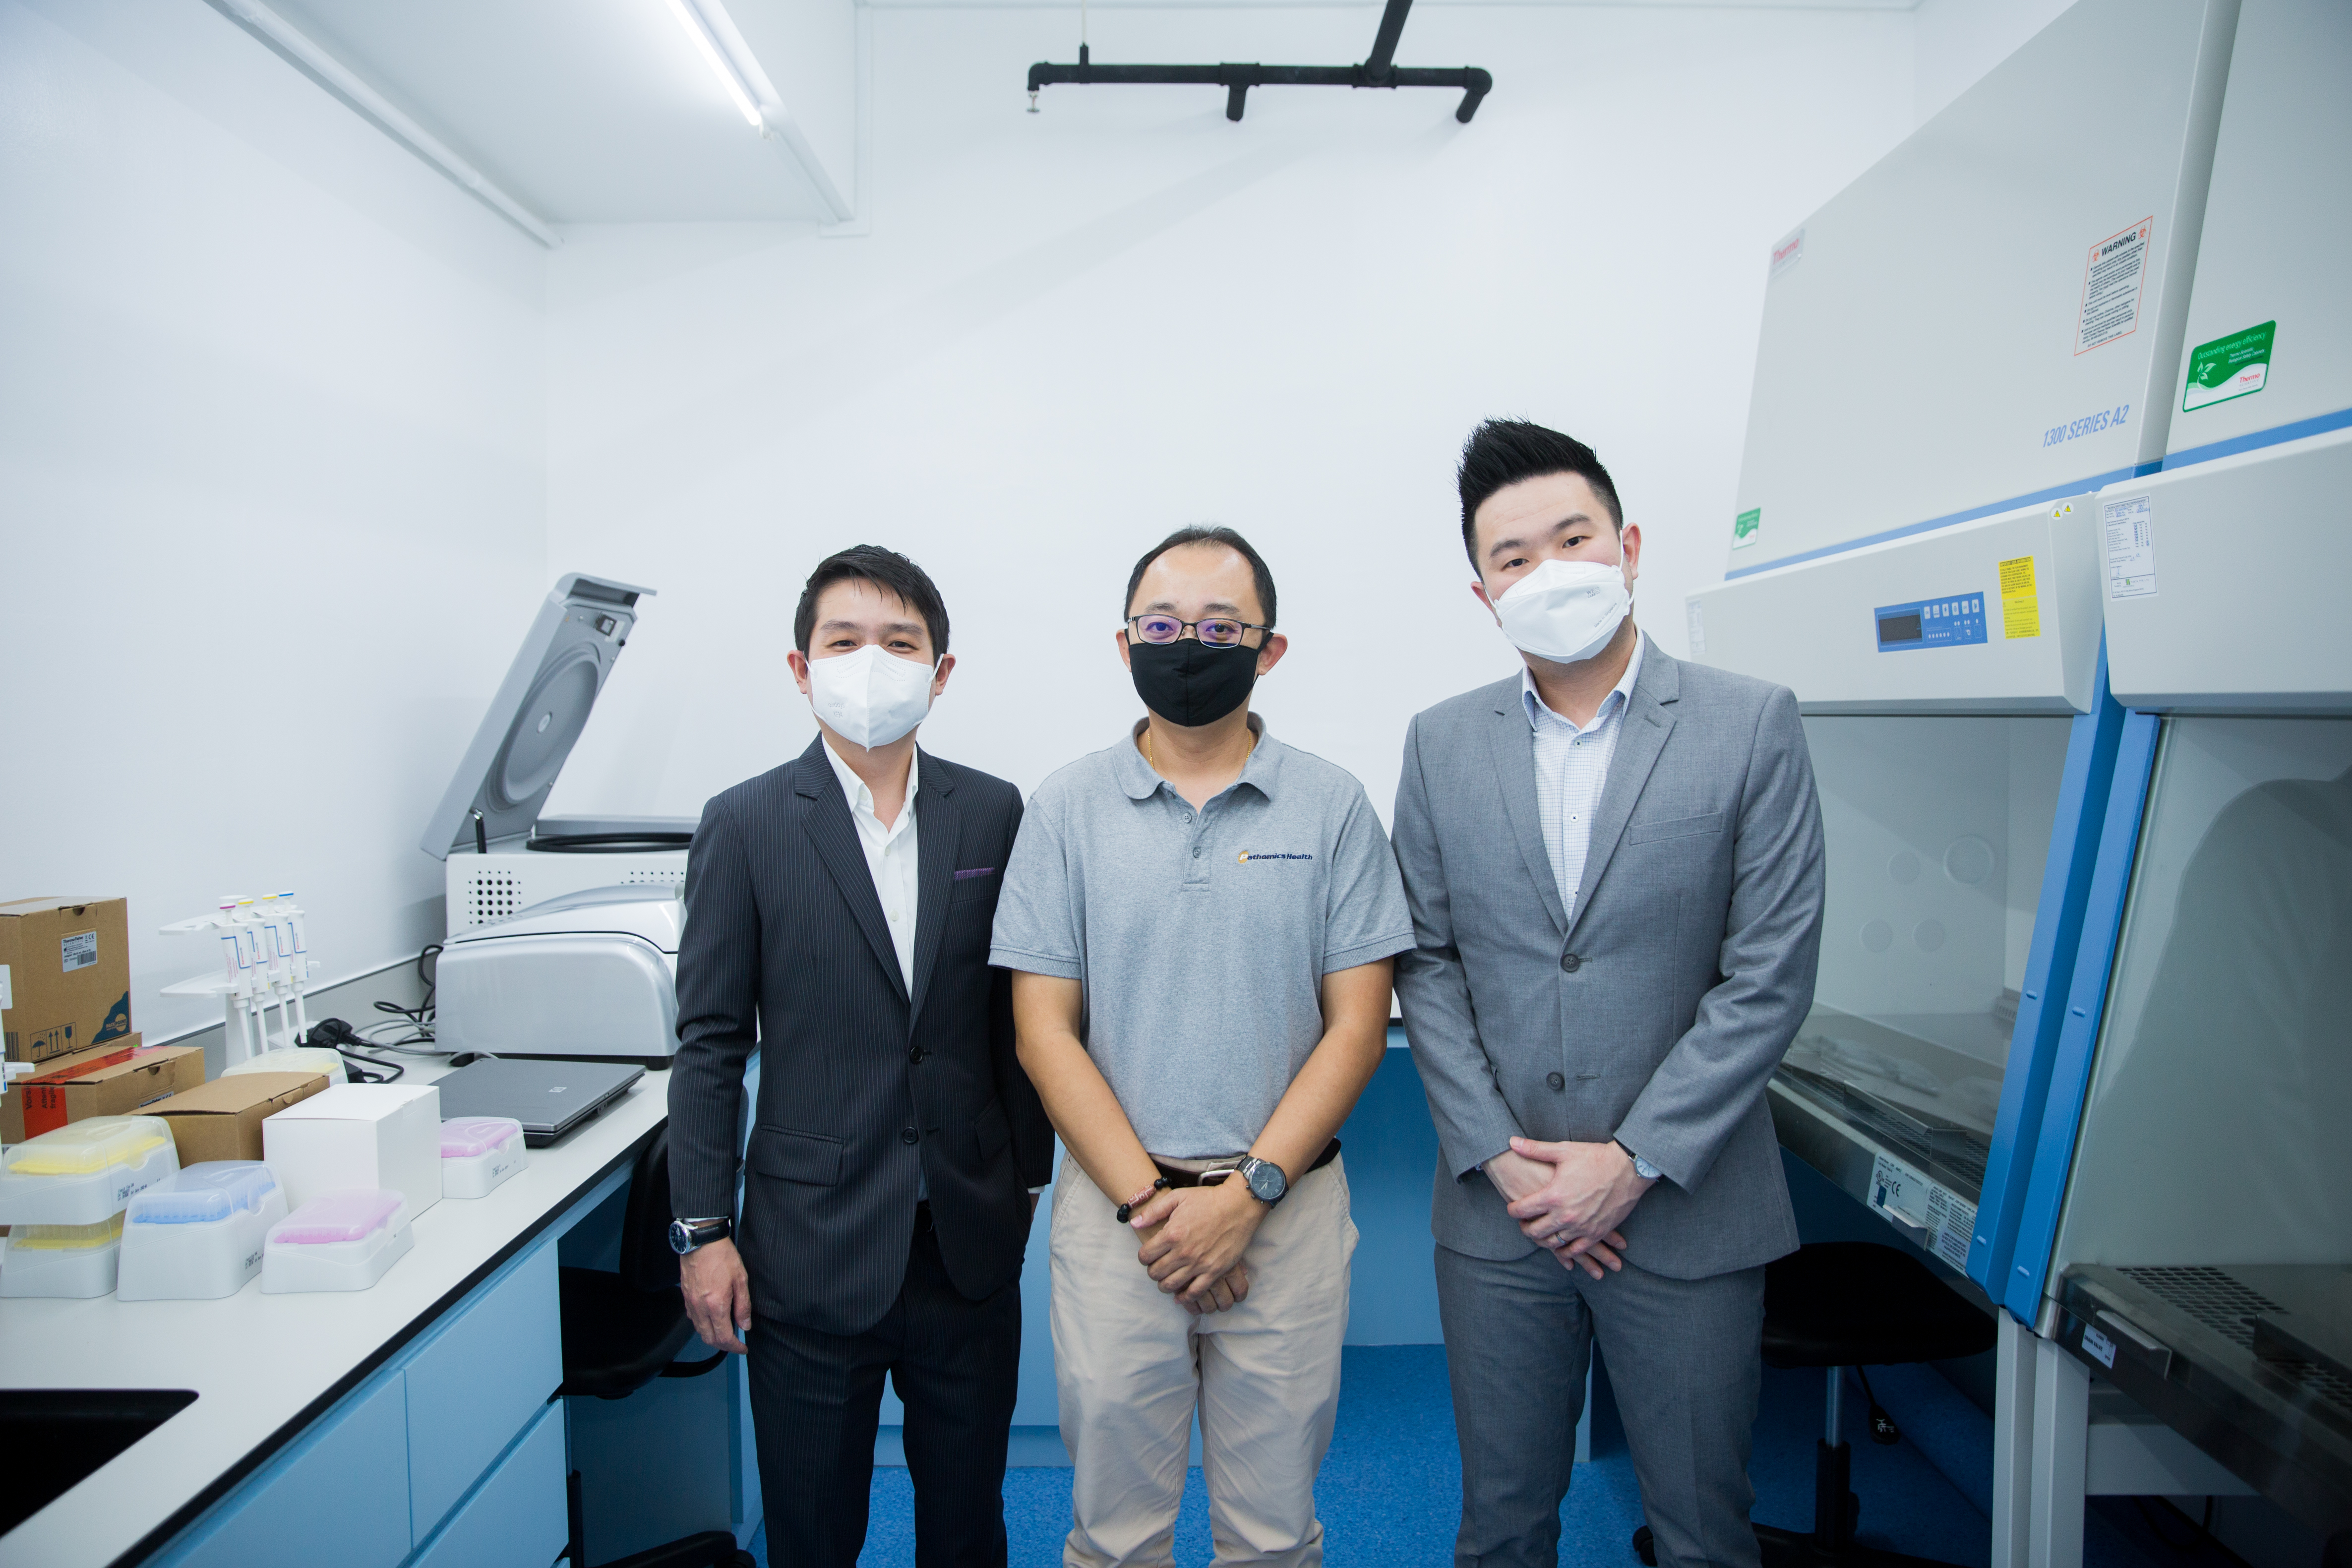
<point x="1132" y="1366"/>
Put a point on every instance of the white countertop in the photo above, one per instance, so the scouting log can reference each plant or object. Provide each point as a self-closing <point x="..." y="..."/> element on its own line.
<point x="257" y="1362"/>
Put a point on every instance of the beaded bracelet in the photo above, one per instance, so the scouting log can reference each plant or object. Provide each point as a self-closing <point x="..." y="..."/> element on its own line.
<point x="1126" y="1209"/>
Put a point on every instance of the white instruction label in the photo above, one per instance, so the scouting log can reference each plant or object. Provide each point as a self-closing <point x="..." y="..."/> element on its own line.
<point x="78" y="951"/>
<point x="2131" y="547"/>
<point x="1697" y="629"/>
<point x="2098" y="1347"/>
<point x="1902" y="1194"/>
<point x="6" y="1000"/>
<point x="2111" y="287"/>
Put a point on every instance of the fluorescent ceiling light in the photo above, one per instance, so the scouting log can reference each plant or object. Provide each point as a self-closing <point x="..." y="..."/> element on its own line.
<point x="721" y="67"/>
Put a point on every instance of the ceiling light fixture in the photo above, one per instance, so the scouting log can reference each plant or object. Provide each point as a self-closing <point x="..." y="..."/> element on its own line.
<point x="720" y="66"/>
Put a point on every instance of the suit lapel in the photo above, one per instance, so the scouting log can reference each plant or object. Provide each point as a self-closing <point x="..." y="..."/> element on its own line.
<point x="833" y="833"/>
<point x="1514" y="773"/>
<point x="1642" y="735"/>
<point x="937" y="838"/>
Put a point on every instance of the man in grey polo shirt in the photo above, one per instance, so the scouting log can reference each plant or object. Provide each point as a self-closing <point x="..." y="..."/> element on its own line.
<point x="1201" y="923"/>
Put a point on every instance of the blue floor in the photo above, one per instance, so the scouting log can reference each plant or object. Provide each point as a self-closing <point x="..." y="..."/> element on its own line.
<point x="1390" y="1491"/>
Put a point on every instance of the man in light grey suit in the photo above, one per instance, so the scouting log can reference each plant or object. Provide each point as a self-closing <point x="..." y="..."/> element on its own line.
<point x="1613" y="861"/>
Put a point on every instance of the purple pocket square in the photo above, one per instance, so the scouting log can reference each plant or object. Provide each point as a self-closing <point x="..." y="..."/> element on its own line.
<point x="976" y="871"/>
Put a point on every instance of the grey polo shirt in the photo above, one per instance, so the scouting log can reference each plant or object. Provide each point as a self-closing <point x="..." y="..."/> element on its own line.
<point x="1202" y="938"/>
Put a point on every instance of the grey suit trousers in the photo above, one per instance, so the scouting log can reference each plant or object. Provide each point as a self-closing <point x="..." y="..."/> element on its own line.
<point x="1686" y="1365"/>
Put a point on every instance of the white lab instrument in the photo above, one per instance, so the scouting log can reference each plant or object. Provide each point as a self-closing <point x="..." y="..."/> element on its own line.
<point x="265" y="956"/>
<point x="323" y="1059"/>
<point x="590" y="974"/>
<point x="479" y="1154"/>
<point x="197" y="1235"/>
<point x="1992" y="314"/>
<point x="85" y="1172"/>
<point x="344" y="1240"/>
<point x="75" y="1261"/>
<point x="500" y="857"/>
<point x="372" y="1135"/>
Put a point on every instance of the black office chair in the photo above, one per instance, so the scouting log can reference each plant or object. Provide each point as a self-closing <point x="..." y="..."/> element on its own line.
<point x="623" y="1329"/>
<point x="1839" y="1304"/>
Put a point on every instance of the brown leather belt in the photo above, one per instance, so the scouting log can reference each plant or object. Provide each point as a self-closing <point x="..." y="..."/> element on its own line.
<point x="1177" y="1176"/>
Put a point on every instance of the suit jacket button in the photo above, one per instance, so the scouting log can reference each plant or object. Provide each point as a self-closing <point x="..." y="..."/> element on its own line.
<point x="917" y="1056"/>
<point x="1570" y="962"/>
<point x="1556" y="1080"/>
<point x="908" y="1135"/>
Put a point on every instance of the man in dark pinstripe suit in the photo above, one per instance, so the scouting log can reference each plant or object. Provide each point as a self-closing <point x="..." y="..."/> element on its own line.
<point x="838" y="916"/>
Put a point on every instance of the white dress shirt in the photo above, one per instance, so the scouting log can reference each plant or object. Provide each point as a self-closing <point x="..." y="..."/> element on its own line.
<point x="1571" y="767"/>
<point x="891" y="856"/>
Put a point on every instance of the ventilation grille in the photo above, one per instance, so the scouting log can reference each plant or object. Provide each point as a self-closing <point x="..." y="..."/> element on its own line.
<point x="492" y="896"/>
<point x="2229" y="1309"/>
<point x="655" y="879"/>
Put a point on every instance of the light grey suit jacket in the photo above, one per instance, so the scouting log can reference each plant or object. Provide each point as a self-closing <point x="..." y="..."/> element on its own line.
<point x="1658" y="1013"/>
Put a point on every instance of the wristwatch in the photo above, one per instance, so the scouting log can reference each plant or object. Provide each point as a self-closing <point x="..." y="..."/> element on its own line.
<point x="1265" y="1180"/>
<point x="685" y="1234"/>
<point x="1642" y="1168"/>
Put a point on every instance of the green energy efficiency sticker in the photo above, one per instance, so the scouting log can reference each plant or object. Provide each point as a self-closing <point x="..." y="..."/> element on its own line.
<point x="1744" y="527"/>
<point x="2235" y="366"/>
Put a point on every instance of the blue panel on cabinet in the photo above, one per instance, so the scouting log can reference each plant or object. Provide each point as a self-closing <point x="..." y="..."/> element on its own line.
<point x="518" y="1516"/>
<point x="339" y="1495"/>
<point x="474" y="1384"/>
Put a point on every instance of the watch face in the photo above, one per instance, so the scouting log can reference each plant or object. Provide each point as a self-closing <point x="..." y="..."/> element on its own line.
<point x="1266" y="1181"/>
<point x="681" y="1239"/>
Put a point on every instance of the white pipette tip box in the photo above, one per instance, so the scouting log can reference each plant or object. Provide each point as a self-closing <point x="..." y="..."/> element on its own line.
<point x="338" y="1241"/>
<point x="197" y="1235"/>
<point x="76" y="1261"/>
<point x="478" y="1153"/>
<point x="86" y="1171"/>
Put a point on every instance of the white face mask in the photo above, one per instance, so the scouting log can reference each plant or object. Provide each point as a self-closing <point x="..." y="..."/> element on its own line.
<point x="872" y="697"/>
<point x="1565" y="611"/>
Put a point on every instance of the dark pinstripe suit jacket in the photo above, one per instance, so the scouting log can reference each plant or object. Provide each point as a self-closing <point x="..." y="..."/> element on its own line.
<point x="860" y="1084"/>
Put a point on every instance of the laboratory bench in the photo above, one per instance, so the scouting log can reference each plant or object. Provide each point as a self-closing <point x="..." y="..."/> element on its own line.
<point x="413" y="1423"/>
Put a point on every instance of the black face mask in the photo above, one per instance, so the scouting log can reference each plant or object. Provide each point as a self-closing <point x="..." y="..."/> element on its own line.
<point x="1188" y="683"/>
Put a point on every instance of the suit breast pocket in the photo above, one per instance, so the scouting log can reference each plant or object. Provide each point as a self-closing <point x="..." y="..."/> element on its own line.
<point x="1706" y="824"/>
<point x="977" y="885"/>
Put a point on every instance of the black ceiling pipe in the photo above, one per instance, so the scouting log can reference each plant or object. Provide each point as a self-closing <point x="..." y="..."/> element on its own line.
<point x="1377" y="71"/>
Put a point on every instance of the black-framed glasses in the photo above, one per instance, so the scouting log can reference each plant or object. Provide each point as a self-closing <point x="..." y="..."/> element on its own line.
<point x="1217" y="631"/>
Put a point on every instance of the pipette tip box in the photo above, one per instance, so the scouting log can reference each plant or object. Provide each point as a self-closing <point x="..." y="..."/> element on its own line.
<point x="477" y="1154"/>
<point x="197" y="1235"/>
<point x="338" y="1241"/>
<point x="77" y="1261"/>
<point x="84" y="1172"/>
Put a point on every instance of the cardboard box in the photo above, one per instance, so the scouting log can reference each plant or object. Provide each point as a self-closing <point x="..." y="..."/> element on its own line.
<point x="106" y="1080"/>
<point x="381" y="1135"/>
<point x="65" y="976"/>
<point x="224" y="1120"/>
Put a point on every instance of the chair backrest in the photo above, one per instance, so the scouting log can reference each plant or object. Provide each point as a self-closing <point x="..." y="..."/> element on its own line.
<point x="647" y="1261"/>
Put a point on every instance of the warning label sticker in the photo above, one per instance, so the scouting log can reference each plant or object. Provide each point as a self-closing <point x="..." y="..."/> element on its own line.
<point x="2130" y="526"/>
<point x="2111" y="287"/>
<point x="2020" y="606"/>
<point x="2229" y="367"/>
<point x="1905" y="1196"/>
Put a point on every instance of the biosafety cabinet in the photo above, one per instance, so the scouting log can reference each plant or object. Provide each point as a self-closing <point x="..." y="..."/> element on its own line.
<point x="1992" y="314"/>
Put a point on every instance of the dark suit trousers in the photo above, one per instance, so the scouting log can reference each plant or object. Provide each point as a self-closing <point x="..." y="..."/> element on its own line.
<point x="816" y="1400"/>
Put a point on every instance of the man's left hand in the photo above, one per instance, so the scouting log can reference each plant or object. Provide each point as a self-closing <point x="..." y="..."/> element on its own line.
<point x="1194" y="1235"/>
<point x="1593" y="1187"/>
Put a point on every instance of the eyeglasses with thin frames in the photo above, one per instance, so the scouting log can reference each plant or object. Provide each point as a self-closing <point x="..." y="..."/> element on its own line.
<point x="1217" y="631"/>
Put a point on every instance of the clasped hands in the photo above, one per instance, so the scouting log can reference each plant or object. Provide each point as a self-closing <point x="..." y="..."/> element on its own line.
<point x="1193" y="1238"/>
<point x="1570" y="1198"/>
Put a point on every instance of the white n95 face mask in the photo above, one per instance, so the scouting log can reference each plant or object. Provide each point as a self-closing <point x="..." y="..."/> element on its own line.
<point x="872" y="697"/>
<point x="1565" y="611"/>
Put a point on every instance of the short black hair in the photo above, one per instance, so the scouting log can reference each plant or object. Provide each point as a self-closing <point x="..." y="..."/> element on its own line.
<point x="888" y="571"/>
<point x="1504" y="451"/>
<point x="1204" y="535"/>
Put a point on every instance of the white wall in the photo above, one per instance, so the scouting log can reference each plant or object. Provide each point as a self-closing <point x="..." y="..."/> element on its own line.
<point x="1071" y="333"/>
<point x="271" y="485"/>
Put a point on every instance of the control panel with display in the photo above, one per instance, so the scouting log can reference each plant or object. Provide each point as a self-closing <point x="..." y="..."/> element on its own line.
<point x="1950" y="622"/>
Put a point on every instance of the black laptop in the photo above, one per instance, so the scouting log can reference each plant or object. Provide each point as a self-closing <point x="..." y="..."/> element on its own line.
<point x="549" y="1098"/>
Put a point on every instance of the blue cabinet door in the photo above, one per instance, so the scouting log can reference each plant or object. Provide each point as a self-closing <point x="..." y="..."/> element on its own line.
<point x="517" y="1519"/>
<point x="476" y="1382"/>
<point x="338" y="1495"/>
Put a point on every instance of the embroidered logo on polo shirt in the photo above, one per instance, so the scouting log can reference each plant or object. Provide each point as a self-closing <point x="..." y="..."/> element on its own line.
<point x="1246" y="856"/>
